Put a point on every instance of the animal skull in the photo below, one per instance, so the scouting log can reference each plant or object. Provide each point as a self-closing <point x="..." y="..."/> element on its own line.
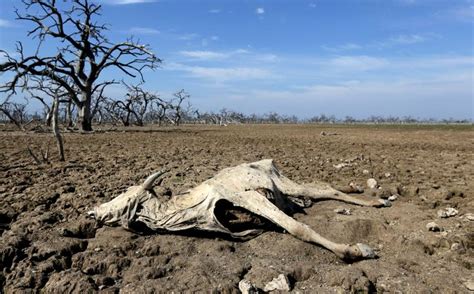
<point x="222" y="203"/>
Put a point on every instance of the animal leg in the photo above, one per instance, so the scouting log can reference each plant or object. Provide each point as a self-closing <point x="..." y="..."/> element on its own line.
<point x="256" y="203"/>
<point x="324" y="192"/>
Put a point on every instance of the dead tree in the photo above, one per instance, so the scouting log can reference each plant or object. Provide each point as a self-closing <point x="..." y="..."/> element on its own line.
<point x="113" y="111"/>
<point x="140" y="101"/>
<point x="15" y="112"/>
<point x="98" y="101"/>
<point x="177" y="106"/>
<point x="47" y="109"/>
<point x="40" y="90"/>
<point x="83" y="54"/>
<point x="159" y="111"/>
<point x="69" y="110"/>
<point x="58" y="96"/>
<point x="134" y="107"/>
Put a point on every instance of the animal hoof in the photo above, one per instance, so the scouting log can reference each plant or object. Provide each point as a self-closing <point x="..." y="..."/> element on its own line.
<point x="366" y="251"/>
<point x="385" y="203"/>
<point x="358" y="252"/>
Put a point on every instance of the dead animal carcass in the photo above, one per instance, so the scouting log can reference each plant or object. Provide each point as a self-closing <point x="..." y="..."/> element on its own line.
<point x="225" y="203"/>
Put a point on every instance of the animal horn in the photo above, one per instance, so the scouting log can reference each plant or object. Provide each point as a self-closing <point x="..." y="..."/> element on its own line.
<point x="148" y="184"/>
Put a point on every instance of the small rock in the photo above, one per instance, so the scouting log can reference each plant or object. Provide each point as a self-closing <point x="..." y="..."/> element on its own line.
<point x="413" y="190"/>
<point x="469" y="284"/>
<point x="456" y="247"/>
<point x="340" y="165"/>
<point x="393" y="198"/>
<point x="387" y="175"/>
<point x="342" y="210"/>
<point x="447" y="212"/>
<point x="432" y="226"/>
<point x="469" y="216"/>
<point x="246" y="287"/>
<point x="408" y="191"/>
<point x="98" y="249"/>
<point x="365" y="172"/>
<point x="281" y="284"/>
<point x="372" y="183"/>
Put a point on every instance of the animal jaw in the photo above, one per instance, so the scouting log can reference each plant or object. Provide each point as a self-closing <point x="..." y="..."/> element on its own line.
<point x="258" y="189"/>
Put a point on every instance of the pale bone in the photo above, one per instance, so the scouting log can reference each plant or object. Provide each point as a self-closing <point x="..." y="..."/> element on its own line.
<point x="241" y="186"/>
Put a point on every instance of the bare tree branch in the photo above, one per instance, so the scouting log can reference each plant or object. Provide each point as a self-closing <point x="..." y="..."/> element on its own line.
<point x="83" y="53"/>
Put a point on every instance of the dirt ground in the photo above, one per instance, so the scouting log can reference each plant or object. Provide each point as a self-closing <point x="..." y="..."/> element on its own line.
<point x="47" y="243"/>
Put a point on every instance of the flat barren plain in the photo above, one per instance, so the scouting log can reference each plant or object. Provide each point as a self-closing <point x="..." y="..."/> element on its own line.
<point x="48" y="243"/>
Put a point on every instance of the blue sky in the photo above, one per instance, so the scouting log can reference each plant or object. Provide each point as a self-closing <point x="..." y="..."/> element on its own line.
<point x="357" y="58"/>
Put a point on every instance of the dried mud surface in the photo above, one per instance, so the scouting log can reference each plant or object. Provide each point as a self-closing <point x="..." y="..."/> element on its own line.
<point x="47" y="243"/>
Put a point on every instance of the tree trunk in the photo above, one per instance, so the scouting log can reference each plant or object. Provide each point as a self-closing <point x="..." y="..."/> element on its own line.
<point x="84" y="119"/>
<point x="49" y="116"/>
<point x="69" y="120"/>
<point x="55" y="127"/>
<point x="126" y="122"/>
<point x="101" y="117"/>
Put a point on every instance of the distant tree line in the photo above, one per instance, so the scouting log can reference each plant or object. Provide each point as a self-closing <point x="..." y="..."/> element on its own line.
<point x="139" y="107"/>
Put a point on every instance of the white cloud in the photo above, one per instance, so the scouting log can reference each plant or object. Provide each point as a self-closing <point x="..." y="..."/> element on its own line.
<point x="399" y="40"/>
<point x="312" y="5"/>
<point x="407" y="39"/>
<point x="212" y="55"/>
<point x="222" y="73"/>
<point x="343" y="47"/>
<point x="188" y="37"/>
<point x="241" y="51"/>
<point x="436" y="63"/>
<point x="142" y="31"/>
<point x="214" y="38"/>
<point x="357" y="63"/>
<point x="260" y="10"/>
<point x="226" y="74"/>
<point x="6" y="23"/>
<point x="402" y="40"/>
<point x="267" y="57"/>
<point x="204" y="55"/>
<point x="214" y="11"/>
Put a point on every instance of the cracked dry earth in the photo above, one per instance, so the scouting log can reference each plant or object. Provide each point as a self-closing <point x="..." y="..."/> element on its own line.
<point x="48" y="245"/>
